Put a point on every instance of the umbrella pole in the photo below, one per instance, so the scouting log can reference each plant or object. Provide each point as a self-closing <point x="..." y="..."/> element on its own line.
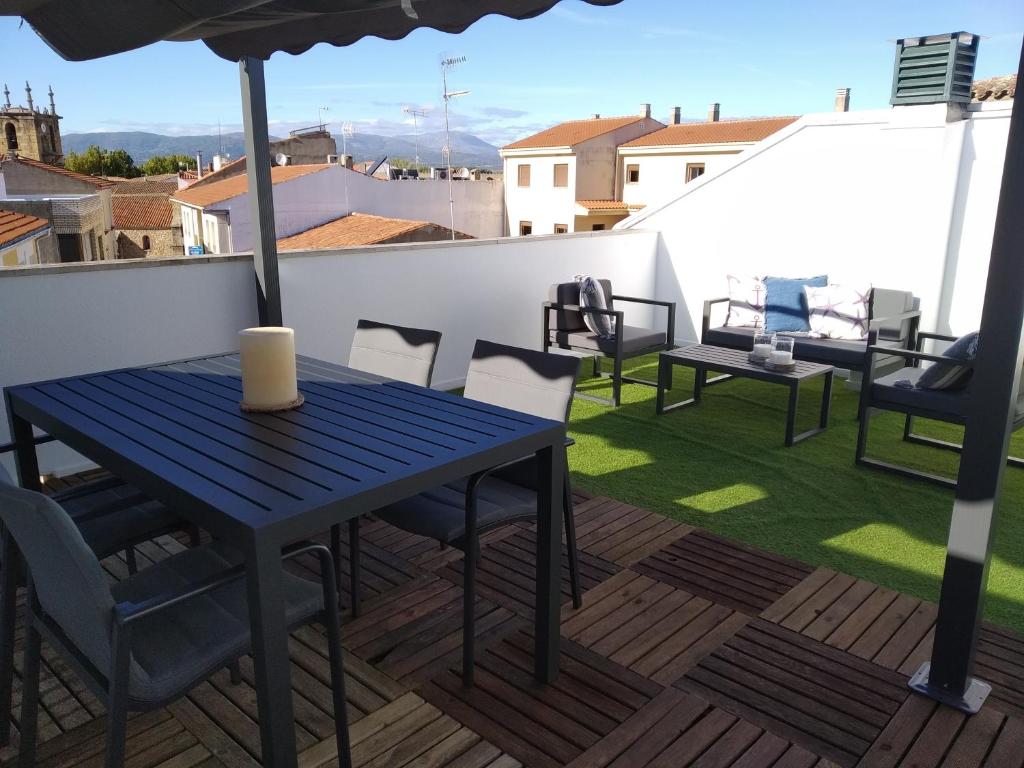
<point x="261" y="190"/>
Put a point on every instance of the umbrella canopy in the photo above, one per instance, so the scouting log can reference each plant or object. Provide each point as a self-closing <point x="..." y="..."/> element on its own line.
<point x="235" y="29"/>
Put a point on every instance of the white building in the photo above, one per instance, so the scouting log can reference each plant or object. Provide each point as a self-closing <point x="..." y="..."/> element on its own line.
<point x="216" y="215"/>
<point x="22" y="237"/>
<point x="564" y="179"/>
<point x="654" y="167"/>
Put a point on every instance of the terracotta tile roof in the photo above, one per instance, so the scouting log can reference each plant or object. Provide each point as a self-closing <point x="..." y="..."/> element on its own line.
<point x="603" y="205"/>
<point x="225" y="171"/>
<point x="164" y="184"/>
<point x="142" y="211"/>
<point x="573" y="132"/>
<point x="1000" y="88"/>
<point x="354" y="229"/>
<point x="14" y="225"/>
<point x="208" y="194"/>
<point x="720" y="132"/>
<point x="96" y="181"/>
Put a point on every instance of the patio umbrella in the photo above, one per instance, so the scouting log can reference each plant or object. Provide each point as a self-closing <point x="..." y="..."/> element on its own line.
<point x="249" y="31"/>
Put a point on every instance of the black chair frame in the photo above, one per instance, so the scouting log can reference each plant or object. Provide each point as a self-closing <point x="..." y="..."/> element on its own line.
<point x="619" y="356"/>
<point x="867" y="405"/>
<point x="112" y="689"/>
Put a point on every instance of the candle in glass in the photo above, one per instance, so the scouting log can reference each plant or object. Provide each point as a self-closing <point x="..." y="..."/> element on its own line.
<point x="762" y="345"/>
<point x="269" y="379"/>
<point x="782" y="351"/>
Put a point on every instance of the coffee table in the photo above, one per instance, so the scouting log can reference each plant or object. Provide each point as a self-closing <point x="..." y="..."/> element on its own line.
<point x="705" y="357"/>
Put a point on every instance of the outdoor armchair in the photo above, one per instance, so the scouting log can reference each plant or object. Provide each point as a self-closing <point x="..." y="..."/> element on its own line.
<point x="147" y="640"/>
<point x="565" y="328"/>
<point x="538" y="383"/>
<point x="946" y="405"/>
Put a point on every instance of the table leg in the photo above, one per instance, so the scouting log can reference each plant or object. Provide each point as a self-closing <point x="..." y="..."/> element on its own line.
<point x="659" y="405"/>
<point x="550" y="471"/>
<point x="826" y="401"/>
<point x="794" y="393"/>
<point x="264" y="582"/>
<point x="11" y="574"/>
<point x="699" y="375"/>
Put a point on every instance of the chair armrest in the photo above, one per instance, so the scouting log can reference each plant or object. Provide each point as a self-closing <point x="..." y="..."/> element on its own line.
<point x="910" y="314"/>
<point x="922" y="335"/>
<point x="577" y="308"/>
<point x="637" y="300"/>
<point x="670" y="327"/>
<point x="909" y="354"/>
<point x="126" y="613"/>
<point x="705" y="324"/>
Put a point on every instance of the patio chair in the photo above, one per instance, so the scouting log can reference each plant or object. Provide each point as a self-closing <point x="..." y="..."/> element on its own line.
<point x="565" y="328"/>
<point x="525" y="380"/>
<point x="946" y="405"/>
<point x="147" y="640"/>
<point x="395" y="352"/>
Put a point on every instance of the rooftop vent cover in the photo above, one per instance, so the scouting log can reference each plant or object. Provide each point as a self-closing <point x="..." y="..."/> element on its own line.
<point x="934" y="69"/>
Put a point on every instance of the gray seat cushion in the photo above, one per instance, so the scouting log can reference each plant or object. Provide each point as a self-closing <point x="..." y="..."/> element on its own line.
<point x="177" y="647"/>
<point x="633" y="340"/>
<point x="441" y="513"/>
<point x="841" y="353"/>
<point x="107" y="532"/>
<point x="884" y="390"/>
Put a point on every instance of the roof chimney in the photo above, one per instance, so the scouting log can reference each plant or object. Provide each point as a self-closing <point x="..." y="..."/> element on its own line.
<point x="935" y="69"/>
<point x="713" y="112"/>
<point x="677" y="116"/>
<point x="595" y="116"/>
<point x="645" y="110"/>
<point x="842" y="100"/>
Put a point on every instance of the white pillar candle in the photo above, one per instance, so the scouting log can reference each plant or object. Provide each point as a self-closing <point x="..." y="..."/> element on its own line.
<point x="761" y="351"/>
<point x="269" y="379"/>
<point x="781" y="357"/>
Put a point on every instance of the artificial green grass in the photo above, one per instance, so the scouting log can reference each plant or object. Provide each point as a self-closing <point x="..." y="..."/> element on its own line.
<point x="722" y="466"/>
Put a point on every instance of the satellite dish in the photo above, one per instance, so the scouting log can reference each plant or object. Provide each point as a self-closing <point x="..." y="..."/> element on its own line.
<point x="281" y="158"/>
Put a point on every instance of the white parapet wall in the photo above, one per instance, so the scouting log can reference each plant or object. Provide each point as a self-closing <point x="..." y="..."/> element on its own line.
<point x="65" y="320"/>
<point x="900" y="198"/>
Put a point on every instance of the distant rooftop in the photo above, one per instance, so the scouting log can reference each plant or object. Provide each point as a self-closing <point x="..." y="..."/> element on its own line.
<point x="1001" y="88"/>
<point x="355" y="229"/>
<point x="142" y="211"/>
<point x="234" y="186"/>
<point x="14" y="226"/>
<point x="162" y="184"/>
<point x="96" y="181"/>
<point x="573" y="132"/>
<point x="718" y="132"/>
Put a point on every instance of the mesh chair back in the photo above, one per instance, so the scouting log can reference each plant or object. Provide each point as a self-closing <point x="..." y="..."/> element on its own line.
<point x="395" y="352"/>
<point x="69" y="581"/>
<point x="569" y="293"/>
<point x="539" y="383"/>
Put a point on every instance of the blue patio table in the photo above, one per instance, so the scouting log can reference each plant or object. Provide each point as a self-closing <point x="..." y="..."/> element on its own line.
<point x="260" y="481"/>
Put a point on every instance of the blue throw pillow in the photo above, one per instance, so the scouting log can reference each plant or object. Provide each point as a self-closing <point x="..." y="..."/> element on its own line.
<point x="785" y="306"/>
<point x="950" y="375"/>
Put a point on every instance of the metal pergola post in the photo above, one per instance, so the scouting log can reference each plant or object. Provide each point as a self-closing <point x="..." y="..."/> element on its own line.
<point x="261" y="190"/>
<point x="947" y="677"/>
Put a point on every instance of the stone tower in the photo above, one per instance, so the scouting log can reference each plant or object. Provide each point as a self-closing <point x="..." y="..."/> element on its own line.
<point x="30" y="132"/>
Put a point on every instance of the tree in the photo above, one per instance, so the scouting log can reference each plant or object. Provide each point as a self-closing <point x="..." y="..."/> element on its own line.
<point x="100" y="162"/>
<point x="167" y="164"/>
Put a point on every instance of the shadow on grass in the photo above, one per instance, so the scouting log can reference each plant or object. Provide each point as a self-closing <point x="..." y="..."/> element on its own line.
<point x="722" y="466"/>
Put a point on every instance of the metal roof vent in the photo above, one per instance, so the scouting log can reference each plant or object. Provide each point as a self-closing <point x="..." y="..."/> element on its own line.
<point x="935" y="69"/>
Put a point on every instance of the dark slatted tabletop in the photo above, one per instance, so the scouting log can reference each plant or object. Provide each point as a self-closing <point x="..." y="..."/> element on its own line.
<point x="177" y="429"/>
<point x="737" y="363"/>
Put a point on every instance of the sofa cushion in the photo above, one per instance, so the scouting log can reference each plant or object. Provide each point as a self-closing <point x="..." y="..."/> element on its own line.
<point x="633" y="340"/>
<point x="950" y="375"/>
<point x="900" y="388"/>
<point x="785" y="303"/>
<point x="838" y="311"/>
<point x="746" y="302"/>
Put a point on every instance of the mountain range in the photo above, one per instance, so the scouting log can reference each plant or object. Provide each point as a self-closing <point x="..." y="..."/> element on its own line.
<point x="467" y="149"/>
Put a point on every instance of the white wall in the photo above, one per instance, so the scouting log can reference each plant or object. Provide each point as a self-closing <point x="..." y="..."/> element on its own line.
<point x="490" y="289"/>
<point x="542" y="203"/>
<point x="596" y="177"/>
<point x="663" y="170"/>
<point x="879" y="197"/>
<point x="62" y="321"/>
<point x="316" y="198"/>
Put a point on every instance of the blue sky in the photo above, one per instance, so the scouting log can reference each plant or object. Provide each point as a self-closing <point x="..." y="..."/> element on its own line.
<point x="756" y="58"/>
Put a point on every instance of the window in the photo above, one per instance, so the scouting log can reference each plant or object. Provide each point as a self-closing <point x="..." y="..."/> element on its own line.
<point x="693" y="170"/>
<point x="561" y="174"/>
<point x="597" y="227"/>
<point x="12" y="136"/>
<point x="525" y="227"/>
<point x="561" y="229"/>
<point x="145" y="242"/>
<point x="524" y="175"/>
<point x="632" y="174"/>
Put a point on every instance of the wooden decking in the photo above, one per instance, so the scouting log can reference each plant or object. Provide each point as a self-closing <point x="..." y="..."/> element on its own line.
<point x="689" y="650"/>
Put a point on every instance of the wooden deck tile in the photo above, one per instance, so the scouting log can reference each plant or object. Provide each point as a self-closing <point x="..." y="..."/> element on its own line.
<point x="649" y="627"/>
<point x="828" y="702"/>
<point x="505" y="573"/>
<point x="725" y="572"/>
<point x="543" y="726"/>
<point x="621" y="533"/>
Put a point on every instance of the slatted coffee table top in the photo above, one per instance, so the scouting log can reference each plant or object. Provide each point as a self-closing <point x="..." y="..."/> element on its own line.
<point x="736" y="362"/>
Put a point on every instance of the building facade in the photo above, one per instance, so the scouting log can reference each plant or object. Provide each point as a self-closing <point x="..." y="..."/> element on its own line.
<point x="25" y="240"/>
<point x="29" y="132"/>
<point x="146" y="224"/>
<point x="563" y="179"/>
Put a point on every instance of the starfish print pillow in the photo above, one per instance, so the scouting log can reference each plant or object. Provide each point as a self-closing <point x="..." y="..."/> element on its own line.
<point x="838" y="311"/>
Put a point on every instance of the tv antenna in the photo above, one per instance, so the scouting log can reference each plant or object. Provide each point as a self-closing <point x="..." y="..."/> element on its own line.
<point x="320" y="116"/>
<point x="450" y="62"/>
<point x="416" y="114"/>
<point x="347" y="132"/>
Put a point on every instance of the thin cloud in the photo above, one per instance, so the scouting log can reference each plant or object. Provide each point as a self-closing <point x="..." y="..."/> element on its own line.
<point x="503" y="112"/>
